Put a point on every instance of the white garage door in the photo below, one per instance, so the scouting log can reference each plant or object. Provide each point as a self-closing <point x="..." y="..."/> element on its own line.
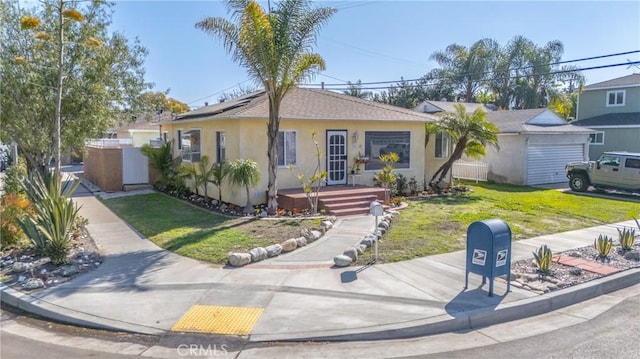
<point x="545" y="164"/>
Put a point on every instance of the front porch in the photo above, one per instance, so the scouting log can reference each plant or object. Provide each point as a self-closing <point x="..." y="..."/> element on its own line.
<point x="342" y="200"/>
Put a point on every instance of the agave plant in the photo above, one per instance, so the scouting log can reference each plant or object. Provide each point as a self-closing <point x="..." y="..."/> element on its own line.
<point x="54" y="213"/>
<point x="543" y="258"/>
<point x="603" y="244"/>
<point x="626" y="238"/>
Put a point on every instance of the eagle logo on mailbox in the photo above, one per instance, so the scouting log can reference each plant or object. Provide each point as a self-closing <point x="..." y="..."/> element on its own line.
<point x="479" y="257"/>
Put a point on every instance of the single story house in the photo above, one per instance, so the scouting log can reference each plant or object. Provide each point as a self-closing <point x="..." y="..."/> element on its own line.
<point x="432" y="107"/>
<point x="346" y="128"/>
<point x="534" y="147"/>
<point x="138" y="133"/>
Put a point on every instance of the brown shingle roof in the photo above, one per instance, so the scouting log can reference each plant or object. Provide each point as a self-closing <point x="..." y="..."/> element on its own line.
<point x="629" y="80"/>
<point x="540" y="120"/>
<point x="309" y="104"/>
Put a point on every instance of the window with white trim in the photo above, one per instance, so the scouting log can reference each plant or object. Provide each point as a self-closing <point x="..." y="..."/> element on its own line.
<point x="190" y="146"/>
<point x="596" y="138"/>
<point x="286" y="148"/>
<point x="615" y="98"/>
<point x="378" y="143"/>
<point x="442" y="145"/>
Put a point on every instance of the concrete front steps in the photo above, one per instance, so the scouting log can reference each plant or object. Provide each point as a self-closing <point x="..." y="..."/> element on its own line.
<point x="343" y="200"/>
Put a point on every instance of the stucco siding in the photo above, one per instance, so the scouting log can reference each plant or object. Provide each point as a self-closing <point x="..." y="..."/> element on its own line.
<point x="247" y="138"/>
<point x="507" y="165"/>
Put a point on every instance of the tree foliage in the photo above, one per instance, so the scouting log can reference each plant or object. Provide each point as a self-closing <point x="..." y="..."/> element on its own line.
<point x="244" y="172"/>
<point x="470" y="132"/>
<point x="275" y="48"/>
<point x="102" y="74"/>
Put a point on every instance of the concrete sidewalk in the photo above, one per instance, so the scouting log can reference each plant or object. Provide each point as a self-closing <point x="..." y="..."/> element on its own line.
<point x="143" y="288"/>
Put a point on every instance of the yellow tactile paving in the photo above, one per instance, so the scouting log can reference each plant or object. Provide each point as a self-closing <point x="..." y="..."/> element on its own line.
<point x="218" y="320"/>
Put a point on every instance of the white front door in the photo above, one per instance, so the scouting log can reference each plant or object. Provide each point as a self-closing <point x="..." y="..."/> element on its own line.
<point x="336" y="157"/>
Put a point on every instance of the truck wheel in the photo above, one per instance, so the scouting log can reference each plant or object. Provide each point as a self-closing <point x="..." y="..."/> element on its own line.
<point x="579" y="182"/>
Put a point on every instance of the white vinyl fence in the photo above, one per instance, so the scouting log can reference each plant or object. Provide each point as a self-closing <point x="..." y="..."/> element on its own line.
<point x="476" y="171"/>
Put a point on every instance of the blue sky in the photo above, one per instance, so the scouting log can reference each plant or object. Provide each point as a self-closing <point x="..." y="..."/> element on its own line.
<point x="379" y="40"/>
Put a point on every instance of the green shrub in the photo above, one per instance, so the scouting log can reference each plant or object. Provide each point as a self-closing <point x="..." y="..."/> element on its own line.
<point x="543" y="259"/>
<point x="626" y="238"/>
<point x="12" y="207"/>
<point x="13" y="176"/>
<point x="603" y="244"/>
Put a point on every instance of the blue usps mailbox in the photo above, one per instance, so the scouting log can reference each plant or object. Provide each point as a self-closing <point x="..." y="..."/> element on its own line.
<point x="489" y="251"/>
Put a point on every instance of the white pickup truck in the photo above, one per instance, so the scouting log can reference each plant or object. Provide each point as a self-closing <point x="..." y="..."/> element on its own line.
<point x="614" y="170"/>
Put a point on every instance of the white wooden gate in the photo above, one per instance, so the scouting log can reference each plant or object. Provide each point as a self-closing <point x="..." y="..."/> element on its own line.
<point x="135" y="167"/>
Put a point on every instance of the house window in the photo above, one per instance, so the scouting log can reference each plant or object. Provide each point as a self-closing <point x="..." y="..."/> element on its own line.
<point x="286" y="148"/>
<point x="442" y="145"/>
<point x="377" y="143"/>
<point x="190" y="146"/>
<point x="596" y="138"/>
<point x="220" y="146"/>
<point x="615" y="98"/>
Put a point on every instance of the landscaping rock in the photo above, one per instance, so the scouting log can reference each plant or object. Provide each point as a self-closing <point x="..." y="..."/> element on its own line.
<point x="382" y="230"/>
<point x="575" y="271"/>
<point x="311" y="236"/>
<point x="289" y="245"/>
<point x="306" y="233"/>
<point x="19" y="267"/>
<point x="342" y="260"/>
<point x="68" y="271"/>
<point x="301" y="241"/>
<point x="248" y="210"/>
<point x="360" y="248"/>
<point x="574" y="254"/>
<point x="258" y="254"/>
<point x="383" y="224"/>
<point x="239" y="259"/>
<point x="632" y="255"/>
<point x="326" y="225"/>
<point x="264" y="214"/>
<point x="274" y="250"/>
<point x="367" y="241"/>
<point x="223" y="207"/>
<point x="33" y="283"/>
<point x="351" y="253"/>
<point x="378" y="233"/>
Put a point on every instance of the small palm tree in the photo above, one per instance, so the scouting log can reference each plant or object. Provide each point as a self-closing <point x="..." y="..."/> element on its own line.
<point x="162" y="160"/>
<point x="387" y="177"/>
<point x="244" y="173"/>
<point x="200" y="174"/>
<point x="219" y="172"/>
<point x="471" y="133"/>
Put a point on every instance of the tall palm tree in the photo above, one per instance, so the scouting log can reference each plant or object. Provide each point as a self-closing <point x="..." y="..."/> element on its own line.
<point x="275" y="48"/>
<point x="244" y="173"/>
<point x="471" y="133"/>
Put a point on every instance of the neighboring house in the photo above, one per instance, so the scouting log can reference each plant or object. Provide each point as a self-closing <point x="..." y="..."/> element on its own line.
<point x="433" y="107"/>
<point x="535" y="145"/>
<point x="612" y="108"/>
<point x="346" y="128"/>
<point x="140" y="132"/>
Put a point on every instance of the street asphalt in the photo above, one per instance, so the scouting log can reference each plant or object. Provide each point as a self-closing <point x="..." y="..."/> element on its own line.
<point x="299" y="296"/>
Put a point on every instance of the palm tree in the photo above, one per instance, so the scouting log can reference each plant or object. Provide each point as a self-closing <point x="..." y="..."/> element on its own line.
<point x="162" y="160"/>
<point x="219" y="172"/>
<point x="274" y="47"/>
<point x="244" y="173"/>
<point x="471" y="133"/>
<point x="201" y="174"/>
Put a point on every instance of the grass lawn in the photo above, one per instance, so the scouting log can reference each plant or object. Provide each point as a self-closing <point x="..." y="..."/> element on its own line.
<point x="198" y="233"/>
<point x="439" y="225"/>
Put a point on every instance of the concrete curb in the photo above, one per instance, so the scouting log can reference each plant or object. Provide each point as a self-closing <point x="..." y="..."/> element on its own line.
<point x="56" y="313"/>
<point x="474" y="319"/>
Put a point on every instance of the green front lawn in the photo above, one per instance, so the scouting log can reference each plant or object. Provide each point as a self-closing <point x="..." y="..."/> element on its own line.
<point x="439" y="224"/>
<point x="197" y="233"/>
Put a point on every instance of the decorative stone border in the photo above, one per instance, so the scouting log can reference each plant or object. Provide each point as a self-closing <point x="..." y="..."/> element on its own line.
<point x="307" y="236"/>
<point x="350" y="255"/>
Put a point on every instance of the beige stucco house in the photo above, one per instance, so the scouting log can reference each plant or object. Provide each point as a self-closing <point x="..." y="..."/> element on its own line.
<point x="346" y="128"/>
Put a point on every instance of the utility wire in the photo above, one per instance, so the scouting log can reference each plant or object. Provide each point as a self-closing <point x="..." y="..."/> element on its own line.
<point x="488" y="72"/>
<point x="221" y="91"/>
<point x="511" y="77"/>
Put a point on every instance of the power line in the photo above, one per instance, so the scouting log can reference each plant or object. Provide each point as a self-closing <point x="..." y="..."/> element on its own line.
<point x="511" y="77"/>
<point x="486" y="72"/>
<point x="221" y="91"/>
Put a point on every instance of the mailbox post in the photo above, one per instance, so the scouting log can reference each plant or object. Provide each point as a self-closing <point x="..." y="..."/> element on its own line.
<point x="375" y="209"/>
<point x="489" y="251"/>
